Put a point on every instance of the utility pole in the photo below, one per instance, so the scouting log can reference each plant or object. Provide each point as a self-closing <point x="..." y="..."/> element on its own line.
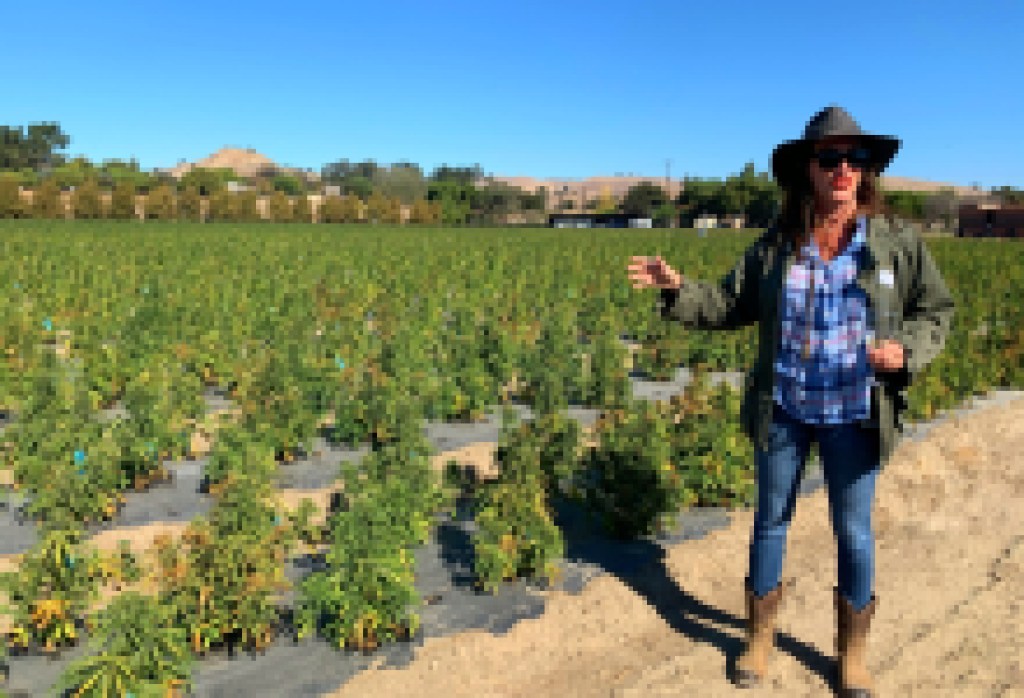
<point x="668" y="187"/>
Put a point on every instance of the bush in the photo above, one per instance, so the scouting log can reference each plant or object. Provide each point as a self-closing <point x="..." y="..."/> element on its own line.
<point x="425" y="212"/>
<point x="11" y="205"/>
<point x="632" y="485"/>
<point x="363" y="597"/>
<point x="607" y="383"/>
<point x="160" y="204"/>
<point x="303" y="212"/>
<point x="713" y="456"/>
<point x="515" y="531"/>
<point x="51" y="590"/>
<point x="331" y="210"/>
<point x="221" y="580"/>
<point x="289" y="185"/>
<point x="85" y="201"/>
<point x="46" y="201"/>
<point x="190" y="205"/>
<point x="222" y="206"/>
<point x="137" y="649"/>
<point x="122" y="201"/>
<point x="280" y="208"/>
<point x="247" y="207"/>
<point x="378" y="209"/>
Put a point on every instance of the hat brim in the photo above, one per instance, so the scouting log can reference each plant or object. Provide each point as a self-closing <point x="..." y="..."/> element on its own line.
<point x="790" y="156"/>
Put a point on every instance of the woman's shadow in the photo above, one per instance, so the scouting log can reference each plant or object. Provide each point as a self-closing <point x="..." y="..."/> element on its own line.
<point x="640" y="564"/>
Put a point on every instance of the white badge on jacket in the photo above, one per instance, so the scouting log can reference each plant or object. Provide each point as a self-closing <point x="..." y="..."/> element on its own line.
<point x="886" y="278"/>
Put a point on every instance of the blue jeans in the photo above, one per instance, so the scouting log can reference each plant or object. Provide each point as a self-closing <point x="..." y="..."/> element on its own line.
<point x="850" y="462"/>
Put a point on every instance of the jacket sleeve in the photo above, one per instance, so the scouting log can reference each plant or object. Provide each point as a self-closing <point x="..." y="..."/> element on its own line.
<point x="731" y="304"/>
<point x="928" y="314"/>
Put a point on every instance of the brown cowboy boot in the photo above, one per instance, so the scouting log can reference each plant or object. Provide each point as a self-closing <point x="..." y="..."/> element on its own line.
<point x="851" y="647"/>
<point x="752" y="665"/>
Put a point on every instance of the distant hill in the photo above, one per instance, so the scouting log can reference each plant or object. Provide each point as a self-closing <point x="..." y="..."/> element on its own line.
<point x="245" y="162"/>
<point x="907" y="184"/>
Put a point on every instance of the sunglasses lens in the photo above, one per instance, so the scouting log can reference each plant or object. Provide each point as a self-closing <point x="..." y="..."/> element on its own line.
<point x="828" y="159"/>
<point x="859" y="157"/>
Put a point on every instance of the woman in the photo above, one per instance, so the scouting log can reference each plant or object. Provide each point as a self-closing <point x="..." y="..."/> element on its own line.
<point x="850" y="308"/>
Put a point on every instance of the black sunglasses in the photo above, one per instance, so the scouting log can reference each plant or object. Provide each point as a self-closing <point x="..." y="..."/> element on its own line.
<point x="829" y="159"/>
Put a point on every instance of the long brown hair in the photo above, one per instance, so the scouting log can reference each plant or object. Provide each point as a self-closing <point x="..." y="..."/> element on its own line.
<point x="796" y="215"/>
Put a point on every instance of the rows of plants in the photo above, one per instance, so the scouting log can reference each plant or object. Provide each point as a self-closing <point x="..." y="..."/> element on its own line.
<point x="361" y="337"/>
<point x="214" y="587"/>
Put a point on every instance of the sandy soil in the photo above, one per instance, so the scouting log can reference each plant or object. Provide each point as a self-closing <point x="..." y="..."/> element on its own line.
<point x="949" y="580"/>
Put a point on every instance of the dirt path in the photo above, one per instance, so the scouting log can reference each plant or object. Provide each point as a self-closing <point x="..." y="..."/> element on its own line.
<point x="949" y="530"/>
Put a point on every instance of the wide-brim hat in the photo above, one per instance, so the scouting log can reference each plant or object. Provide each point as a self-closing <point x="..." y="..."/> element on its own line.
<point x="789" y="159"/>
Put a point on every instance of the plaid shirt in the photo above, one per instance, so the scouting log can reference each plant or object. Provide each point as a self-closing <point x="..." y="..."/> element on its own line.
<point x="831" y="382"/>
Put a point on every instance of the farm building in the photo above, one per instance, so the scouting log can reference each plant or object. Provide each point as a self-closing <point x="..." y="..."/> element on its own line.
<point x="736" y="221"/>
<point x="597" y="220"/>
<point x="991" y="220"/>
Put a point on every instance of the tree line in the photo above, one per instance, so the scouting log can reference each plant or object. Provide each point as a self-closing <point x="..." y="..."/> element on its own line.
<point x="164" y="202"/>
<point x="448" y="195"/>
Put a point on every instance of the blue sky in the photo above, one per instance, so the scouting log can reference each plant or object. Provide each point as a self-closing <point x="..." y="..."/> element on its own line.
<point x="557" y="88"/>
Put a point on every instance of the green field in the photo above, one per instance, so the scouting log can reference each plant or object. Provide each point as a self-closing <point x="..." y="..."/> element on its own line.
<point x="381" y="328"/>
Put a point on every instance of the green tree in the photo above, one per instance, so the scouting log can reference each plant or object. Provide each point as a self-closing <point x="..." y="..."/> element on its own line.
<point x="160" y="204"/>
<point x="46" y="201"/>
<point x="114" y="172"/>
<point x="73" y="173"/>
<point x="642" y="199"/>
<point x="453" y="198"/>
<point x="85" y="201"/>
<point x="495" y="201"/>
<point x="403" y="180"/>
<point x="357" y="186"/>
<point x="699" y="197"/>
<point x="353" y="178"/>
<point x="905" y="204"/>
<point x="762" y="197"/>
<point x="280" y="208"/>
<point x="122" y="200"/>
<point x="32" y="149"/>
<point x="207" y="181"/>
<point x="464" y="176"/>
<point x="664" y="216"/>
<point x="289" y="184"/>
<point x="190" y="204"/>
<point x="303" y="212"/>
<point x="537" y="201"/>
<point x="1009" y="196"/>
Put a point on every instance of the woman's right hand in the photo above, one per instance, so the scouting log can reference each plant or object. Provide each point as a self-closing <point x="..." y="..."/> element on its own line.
<point x="653" y="272"/>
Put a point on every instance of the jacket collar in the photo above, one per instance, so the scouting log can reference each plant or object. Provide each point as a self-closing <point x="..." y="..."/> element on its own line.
<point x="877" y="243"/>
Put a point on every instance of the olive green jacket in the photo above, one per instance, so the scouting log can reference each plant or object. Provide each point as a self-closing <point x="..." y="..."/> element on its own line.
<point x="753" y="291"/>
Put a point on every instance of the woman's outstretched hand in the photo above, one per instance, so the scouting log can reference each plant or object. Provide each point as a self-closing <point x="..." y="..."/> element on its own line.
<point x="653" y="272"/>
